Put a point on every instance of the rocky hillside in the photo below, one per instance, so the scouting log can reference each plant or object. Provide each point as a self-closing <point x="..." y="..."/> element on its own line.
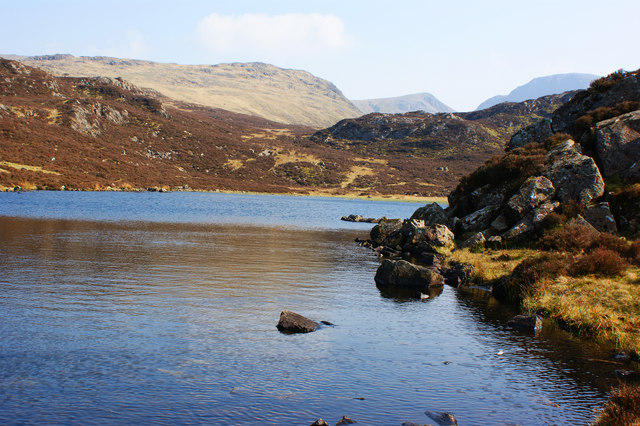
<point x="400" y="104"/>
<point x="547" y="179"/>
<point x="542" y="86"/>
<point x="455" y="143"/>
<point x="282" y="95"/>
<point x="103" y="133"/>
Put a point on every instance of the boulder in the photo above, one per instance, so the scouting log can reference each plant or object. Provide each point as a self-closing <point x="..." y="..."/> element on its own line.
<point x="574" y="176"/>
<point x="520" y="230"/>
<point x="474" y="240"/>
<point x="420" y="238"/>
<point x="538" y="132"/>
<point x="532" y="193"/>
<point x="320" y="422"/>
<point x="388" y="232"/>
<point x="401" y="273"/>
<point x="618" y="146"/>
<point x="478" y="220"/>
<point x="600" y="217"/>
<point x="431" y="214"/>
<point x="541" y="212"/>
<point x="459" y="274"/>
<point x="581" y="221"/>
<point x="526" y="322"/>
<point x="290" y="322"/>
<point x="499" y="224"/>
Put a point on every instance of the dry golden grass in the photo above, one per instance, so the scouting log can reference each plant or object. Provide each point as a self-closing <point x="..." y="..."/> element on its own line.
<point x="605" y="308"/>
<point x="354" y="173"/>
<point x="491" y="264"/>
<point x="53" y="116"/>
<point x="268" y="134"/>
<point x="293" y="157"/>
<point x="27" y="167"/>
<point x="28" y="186"/>
<point x="234" y="164"/>
<point x="372" y="160"/>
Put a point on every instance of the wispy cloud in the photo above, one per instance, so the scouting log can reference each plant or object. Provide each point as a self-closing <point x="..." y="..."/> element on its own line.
<point x="292" y="33"/>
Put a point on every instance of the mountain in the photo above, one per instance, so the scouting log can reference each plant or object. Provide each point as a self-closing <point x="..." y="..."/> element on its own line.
<point x="107" y="134"/>
<point x="543" y="86"/>
<point x="417" y="102"/>
<point x="282" y="95"/>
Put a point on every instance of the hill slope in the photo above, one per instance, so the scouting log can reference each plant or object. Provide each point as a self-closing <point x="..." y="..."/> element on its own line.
<point x="417" y="102"/>
<point x="105" y="134"/>
<point x="286" y="96"/>
<point x="542" y="86"/>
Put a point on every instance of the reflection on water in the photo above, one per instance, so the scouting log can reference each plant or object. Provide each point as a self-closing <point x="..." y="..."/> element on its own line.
<point x="175" y="323"/>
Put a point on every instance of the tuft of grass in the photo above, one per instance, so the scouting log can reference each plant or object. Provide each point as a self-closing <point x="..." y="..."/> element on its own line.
<point x="28" y="186"/>
<point x="600" y="261"/>
<point x="622" y="408"/>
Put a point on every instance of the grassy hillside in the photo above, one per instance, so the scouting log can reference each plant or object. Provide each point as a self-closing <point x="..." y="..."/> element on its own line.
<point x="286" y="96"/>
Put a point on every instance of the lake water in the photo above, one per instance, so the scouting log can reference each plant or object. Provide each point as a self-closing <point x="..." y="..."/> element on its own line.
<point x="121" y="308"/>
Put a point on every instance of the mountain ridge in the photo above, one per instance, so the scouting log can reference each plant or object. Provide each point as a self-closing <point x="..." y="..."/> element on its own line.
<point x="282" y="95"/>
<point x="424" y="101"/>
<point x="542" y="86"/>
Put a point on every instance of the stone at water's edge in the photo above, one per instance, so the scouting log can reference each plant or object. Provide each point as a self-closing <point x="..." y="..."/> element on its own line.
<point x="526" y="322"/>
<point x="320" y="422"/>
<point x="442" y="419"/>
<point x="290" y="322"/>
<point x="400" y="273"/>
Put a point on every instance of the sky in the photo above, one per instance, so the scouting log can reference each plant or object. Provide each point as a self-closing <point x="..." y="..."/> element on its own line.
<point x="463" y="52"/>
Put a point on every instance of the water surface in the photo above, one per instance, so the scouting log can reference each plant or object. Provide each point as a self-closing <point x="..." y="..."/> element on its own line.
<point x="160" y="308"/>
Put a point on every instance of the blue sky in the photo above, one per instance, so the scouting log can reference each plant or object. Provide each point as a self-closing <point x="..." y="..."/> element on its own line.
<point x="461" y="51"/>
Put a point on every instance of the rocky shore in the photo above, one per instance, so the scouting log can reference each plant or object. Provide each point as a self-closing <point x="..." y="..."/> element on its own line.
<point x="563" y="200"/>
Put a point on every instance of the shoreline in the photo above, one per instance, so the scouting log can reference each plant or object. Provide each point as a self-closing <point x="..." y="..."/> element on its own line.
<point x="312" y="193"/>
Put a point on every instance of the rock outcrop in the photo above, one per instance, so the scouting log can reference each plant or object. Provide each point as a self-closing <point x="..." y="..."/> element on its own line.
<point x="618" y="146"/>
<point x="535" y="133"/>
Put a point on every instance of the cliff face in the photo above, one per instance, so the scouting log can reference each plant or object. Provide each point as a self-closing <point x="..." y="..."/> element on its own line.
<point x="263" y="90"/>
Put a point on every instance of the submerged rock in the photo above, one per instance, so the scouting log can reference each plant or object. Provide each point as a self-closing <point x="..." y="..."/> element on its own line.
<point x="320" y="422"/>
<point x="290" y="322"/>
<point x="401" y="273"/>
<point x="526" y="322"/>
<point x="345" y="421"/>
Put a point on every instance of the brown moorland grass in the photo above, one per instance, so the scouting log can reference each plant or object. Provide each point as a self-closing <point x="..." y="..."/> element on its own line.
<point x="622" y="408"/>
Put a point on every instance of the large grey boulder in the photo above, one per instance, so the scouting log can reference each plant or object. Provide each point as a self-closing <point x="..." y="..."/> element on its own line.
<point x="431" y="214"/>
<point x="290" y="322"/>
<point x="388" y="232"/>
<point x="478" y="220"/>
<point x="419" y="238"/>
<point x="473" y="241"/>
<point x="618" y="145"/>
<point x="538" y="132"/>
<point x="532" y="193"/>
<point x="574" y="175"/>
<point x="400" y="273"/>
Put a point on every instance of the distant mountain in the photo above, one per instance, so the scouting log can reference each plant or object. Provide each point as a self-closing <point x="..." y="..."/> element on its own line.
<point x="397" y="105"/>
<point x="262" y="90"/>
<point x="543" y="86"/>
